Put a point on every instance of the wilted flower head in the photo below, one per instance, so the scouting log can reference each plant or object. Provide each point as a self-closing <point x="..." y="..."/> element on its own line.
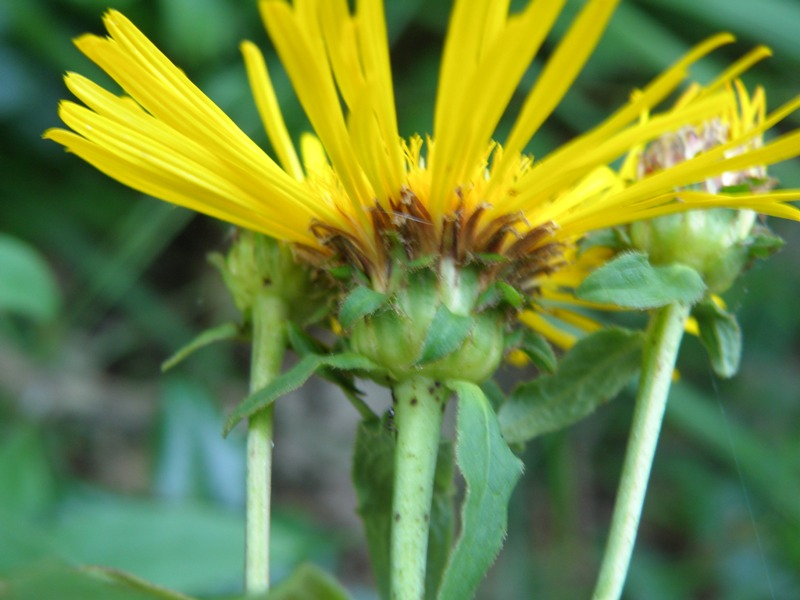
<point x="718" y="243"/>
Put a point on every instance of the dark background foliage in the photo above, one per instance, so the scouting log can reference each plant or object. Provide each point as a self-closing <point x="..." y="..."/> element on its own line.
<point x="105" y="460"/>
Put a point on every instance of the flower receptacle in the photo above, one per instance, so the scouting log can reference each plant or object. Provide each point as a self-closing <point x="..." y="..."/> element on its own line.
<point x="431" y="327"/>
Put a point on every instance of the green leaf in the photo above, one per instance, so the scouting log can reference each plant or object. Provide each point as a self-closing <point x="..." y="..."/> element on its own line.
<point x="721" y="336"/>
<point x="491" y="471"/>
<point x="494" y="393"/>
<point x="359" y="303"/>
<point x="631" y="281"/>
<point x="301" y="342"/>
<point x="29" y="487"/>
<point x="446" y="334"/>
<point x="27" y="285"/>
<point x="62" y="583"/>
<point x="226" y="331"/>
<point x="442" y="520"/>
<point x="304" y="344"/>
<point x="590" y="374"/>
<point x="538" y="350"/>
<point x="134" y="583"/>
<point x="308" y="582"/>
<point x="373" y="477"/>
<point x="293" y="379"/>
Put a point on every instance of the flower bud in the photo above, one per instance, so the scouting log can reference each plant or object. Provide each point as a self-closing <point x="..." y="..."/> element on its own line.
<point x="256" y="263"/>
<point x="715" y="243"/>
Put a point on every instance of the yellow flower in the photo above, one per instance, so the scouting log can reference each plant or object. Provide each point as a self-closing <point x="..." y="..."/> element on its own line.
<point x="359" y="192"/>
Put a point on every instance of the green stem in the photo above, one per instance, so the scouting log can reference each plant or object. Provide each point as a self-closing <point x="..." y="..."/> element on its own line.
<point x="658" y="363"/>
<point x="419" y="404"/>
<point x="269" y="344"/>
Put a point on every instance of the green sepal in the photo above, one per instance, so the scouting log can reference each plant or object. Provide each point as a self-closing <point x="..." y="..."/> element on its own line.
<point x="490" y="258"/>
<point x="306" y="582"/>
<point x="360" y="302"/>
<point x="535" y="347"/>
<point x="511" y="295"/>
<point x="292" y="379"/>
<point x="373" y="478"/>
<point x="341" y="272"/>
<point x="631" y="281"/>
<point x="590" y="374"/>
<point x="490" y="471"/>
<point x="226" y="331"/>
<point x="721" y="336"/>
<point x="749" y="186"/>
<point x="446" y="334"/>
<point x="763" y="243"/>
<point x="423" y="262"/>
<point x="488" y="298"/>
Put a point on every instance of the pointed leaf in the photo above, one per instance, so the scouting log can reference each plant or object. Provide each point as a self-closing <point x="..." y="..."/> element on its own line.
<point x="304" y="344"/>
<point x="538" y="350"/>
<point x="306" y="582"/>
<point x="63" y="583"/>
<point x="442" y="520"/>
<point x="631" y="281"/>
<point x="359" y="303"/>
<point x="590" y="374"/>
<point x="491" y="471"/>
<point x="27" y="285"/>
<point x="445" y="335"/>
<point x="226" y="331"/>
<point x="721" y="336"/>
<point x="293" y="379"/>
<point x="373" y="477"/>
<point x="133" y="582"/>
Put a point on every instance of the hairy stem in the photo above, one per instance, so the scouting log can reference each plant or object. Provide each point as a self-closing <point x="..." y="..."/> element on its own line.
<point x="419" y="404"/>
<point x="658" y="363"/>
<point x="269" y="344"/>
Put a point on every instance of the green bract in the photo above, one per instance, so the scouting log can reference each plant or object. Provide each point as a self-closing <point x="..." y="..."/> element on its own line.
<point x="430" y="326"/>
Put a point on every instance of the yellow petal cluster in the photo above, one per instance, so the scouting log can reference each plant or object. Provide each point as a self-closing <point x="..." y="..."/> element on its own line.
<point x="164" y="137"/>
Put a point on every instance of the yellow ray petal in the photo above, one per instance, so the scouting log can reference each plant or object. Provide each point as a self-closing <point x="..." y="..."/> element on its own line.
<point x="267" y="104"/>
<point x="560" y="71"/>
<point x="306" y="63"/>
<point x="487" y="91"/>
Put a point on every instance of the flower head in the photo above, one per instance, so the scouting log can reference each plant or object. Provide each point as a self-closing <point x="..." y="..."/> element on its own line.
<point x="359" y="195"/>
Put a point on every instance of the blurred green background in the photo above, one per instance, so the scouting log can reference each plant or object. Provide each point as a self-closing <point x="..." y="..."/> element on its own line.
<point x="104" y="460"/>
